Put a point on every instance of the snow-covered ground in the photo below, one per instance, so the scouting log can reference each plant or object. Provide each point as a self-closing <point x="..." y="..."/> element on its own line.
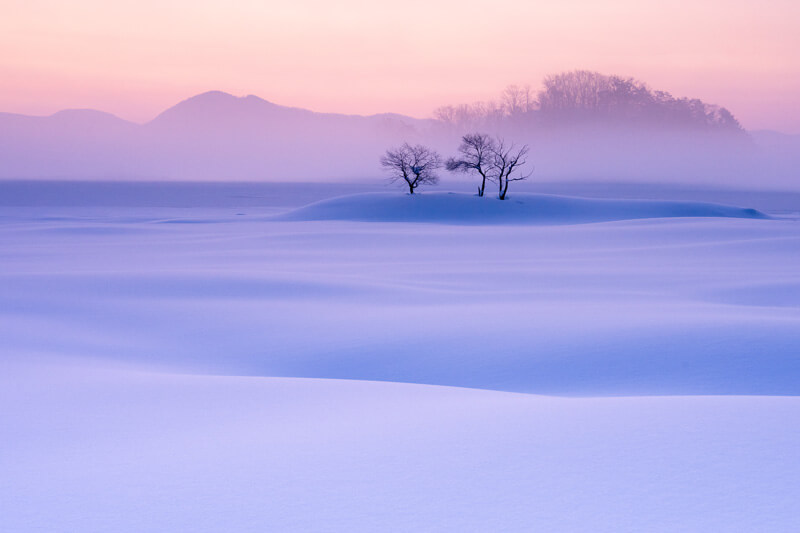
<point x="521" y="208"/>
<point x="237" y="369"/>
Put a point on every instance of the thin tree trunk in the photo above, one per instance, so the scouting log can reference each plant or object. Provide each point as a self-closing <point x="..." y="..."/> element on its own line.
<point x="505" y="190"/>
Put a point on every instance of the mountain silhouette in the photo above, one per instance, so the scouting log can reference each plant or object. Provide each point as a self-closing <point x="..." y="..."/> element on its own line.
<point x="213" y="135"/>
<point x="219" y="136"/>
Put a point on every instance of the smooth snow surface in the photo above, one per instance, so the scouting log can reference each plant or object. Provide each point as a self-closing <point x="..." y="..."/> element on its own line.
<point x="221" y="370"/>
<point x="519" y="208"/>
<point x="98" y="451"/>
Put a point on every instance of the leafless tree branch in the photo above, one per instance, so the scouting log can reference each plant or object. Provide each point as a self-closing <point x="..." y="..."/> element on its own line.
<point x="415" y="165"/>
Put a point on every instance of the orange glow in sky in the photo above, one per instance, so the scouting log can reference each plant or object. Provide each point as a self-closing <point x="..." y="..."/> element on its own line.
<point x="135" y="58"/>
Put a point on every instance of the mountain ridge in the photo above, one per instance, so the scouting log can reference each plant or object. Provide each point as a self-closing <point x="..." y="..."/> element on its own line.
<point x="217" y="96"/>
<point x="216" y="135"/>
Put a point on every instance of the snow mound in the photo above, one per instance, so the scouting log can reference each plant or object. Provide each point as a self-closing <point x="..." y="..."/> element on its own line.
<point x="522" y="208"/>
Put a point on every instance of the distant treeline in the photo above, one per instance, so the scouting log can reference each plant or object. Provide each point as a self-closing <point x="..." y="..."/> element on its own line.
<point x="585" y="97"/>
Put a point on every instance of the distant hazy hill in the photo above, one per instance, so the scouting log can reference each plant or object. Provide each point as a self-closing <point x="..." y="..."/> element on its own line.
<point x="218" y="136"/>
<point x="213" y="135"/>
<point x="71" y="143"/>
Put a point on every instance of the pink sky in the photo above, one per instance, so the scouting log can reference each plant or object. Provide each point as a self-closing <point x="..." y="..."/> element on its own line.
<point x="136" y="58"/>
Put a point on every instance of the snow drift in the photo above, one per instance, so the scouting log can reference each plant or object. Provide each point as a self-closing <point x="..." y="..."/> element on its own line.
<point x="522" y="208"/>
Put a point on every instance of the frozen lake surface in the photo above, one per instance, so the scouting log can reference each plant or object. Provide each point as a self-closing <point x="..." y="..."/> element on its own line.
<point x="207" y="364"/>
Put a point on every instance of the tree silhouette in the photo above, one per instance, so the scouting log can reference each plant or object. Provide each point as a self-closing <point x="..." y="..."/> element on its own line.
<point x="415" y="165"/>
<point x="476" y="154"/>
<point x="507" y="163"/>
<point x="585" y="96"/>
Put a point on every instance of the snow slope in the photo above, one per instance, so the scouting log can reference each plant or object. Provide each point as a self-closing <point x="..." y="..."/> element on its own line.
<point x="218" y="369"/>
<point x="519" y="208"/>
<point x="117" y="450"/>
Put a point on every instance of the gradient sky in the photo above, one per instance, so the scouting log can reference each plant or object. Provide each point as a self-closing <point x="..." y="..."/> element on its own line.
<point x="135" y="58"/>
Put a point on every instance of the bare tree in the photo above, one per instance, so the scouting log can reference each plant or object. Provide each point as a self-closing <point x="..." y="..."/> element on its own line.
<point x="475" y="155"/>
<point x="506" y="161"/>
<point x="415" y="165"/>
<point x="470" y="116"/>
<point x="582" y="96"/>
<point x="517" y="100"/>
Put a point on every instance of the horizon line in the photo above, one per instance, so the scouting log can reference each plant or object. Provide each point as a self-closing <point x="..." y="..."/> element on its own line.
<point x="251" y="95"/>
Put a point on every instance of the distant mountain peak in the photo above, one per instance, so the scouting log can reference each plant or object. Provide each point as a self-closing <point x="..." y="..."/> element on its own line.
<point x="217" y="105"/>
<point x="215" y="98"/>
<point x="84" y="118"/>
<point x="81" y="111"/>
<point x="211" y="96"/>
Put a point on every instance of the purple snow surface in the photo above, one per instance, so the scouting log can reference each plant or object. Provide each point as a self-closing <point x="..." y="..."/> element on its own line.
<point x="245" y="368"/>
